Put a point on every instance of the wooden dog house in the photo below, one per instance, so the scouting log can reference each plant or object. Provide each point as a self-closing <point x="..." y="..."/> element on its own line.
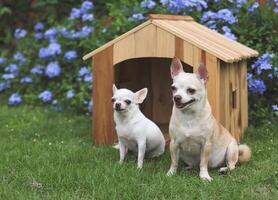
<point x="141" y="58"/>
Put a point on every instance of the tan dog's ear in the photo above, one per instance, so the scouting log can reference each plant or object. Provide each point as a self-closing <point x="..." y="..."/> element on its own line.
<point x="202" y="72"/>
<point x="114" y="88"/>
<point x="176" y="67"/>
<point x="140" y="96"/>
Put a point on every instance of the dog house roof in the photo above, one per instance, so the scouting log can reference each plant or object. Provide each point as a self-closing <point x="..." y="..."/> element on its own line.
<point x="190" y="31"/>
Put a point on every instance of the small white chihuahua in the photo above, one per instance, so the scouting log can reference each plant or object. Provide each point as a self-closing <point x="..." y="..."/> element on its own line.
<point x="196" y="137"/>
<point x="135" y="132"/>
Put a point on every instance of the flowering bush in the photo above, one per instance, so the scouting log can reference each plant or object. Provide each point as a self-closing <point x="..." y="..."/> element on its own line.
<point x="46" y="66"/>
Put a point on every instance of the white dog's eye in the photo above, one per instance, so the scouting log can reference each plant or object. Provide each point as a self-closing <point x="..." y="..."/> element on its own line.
<point x="191" y="91"/>
<point x="173" y="88"/>
<point x="113" y="100"/>
<point x="127" y="102"/>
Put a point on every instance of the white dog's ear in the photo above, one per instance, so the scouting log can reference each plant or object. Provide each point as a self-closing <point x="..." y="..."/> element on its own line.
<point x="202" y="72"/>
<point x="114" y="88"/>
<point x="176" y="67"/>
<point x="140" y="95"/>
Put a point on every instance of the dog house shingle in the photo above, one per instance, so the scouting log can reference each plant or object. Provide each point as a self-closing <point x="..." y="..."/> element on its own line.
<point x="166" y="36"/>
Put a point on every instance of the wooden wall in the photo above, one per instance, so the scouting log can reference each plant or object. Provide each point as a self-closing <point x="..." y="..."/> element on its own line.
<point x="234" y="97"/>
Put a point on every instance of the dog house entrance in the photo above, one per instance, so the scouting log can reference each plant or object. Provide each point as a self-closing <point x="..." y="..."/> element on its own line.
<point x="154" y="74"/>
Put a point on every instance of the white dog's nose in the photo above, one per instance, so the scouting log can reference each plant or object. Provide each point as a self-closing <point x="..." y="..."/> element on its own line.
<point x="118" y="105"/>
<point x="177" y="98"/>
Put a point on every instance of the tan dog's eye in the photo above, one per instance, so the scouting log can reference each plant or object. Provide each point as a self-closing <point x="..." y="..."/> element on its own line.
<point x="113" y="100"/>
<point x="191" y="91"/>
<point x="173" y="88"/>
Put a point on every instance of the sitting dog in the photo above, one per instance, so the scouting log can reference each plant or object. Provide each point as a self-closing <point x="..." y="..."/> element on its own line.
<point x="135" y="132"/>
<point x="196" y="137"/>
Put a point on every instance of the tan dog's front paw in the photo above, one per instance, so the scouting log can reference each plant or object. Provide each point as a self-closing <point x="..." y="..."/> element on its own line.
<point x="171" y="172"/>
<point x="205" y="176"/>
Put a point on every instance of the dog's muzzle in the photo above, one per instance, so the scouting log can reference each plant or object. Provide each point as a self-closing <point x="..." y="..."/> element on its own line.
<point x="181" y="105"/>
<point x="118" y="107"/>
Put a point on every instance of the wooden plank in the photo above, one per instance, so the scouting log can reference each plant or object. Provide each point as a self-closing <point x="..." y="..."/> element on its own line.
<point x="165" y="44"/>
<point x="124" y="49"/>
<point x="243" y="93"/>
<point x="116" y="40"/>
<point x="170" y="17"/>
<point x="225" y="109"/>
<point x="179" y="48"/>
<point x="213" y="84"/>
<point x="188" y="52"/>
<point x="183" y="34"/>
<point x="197" y="58"/>
<point x="103" y="124"/>
<point x="145" y="42"/>
<point x="248" y="52"/>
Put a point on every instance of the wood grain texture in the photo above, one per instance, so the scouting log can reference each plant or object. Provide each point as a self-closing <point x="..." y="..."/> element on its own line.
<point x="213" y="84"/>
<point x="170" y="17"/>
<point x="124" y="49"/>
<point x="145" y="42"/>
<point x="165" y="42"/>
<point x="108" y="44"/>
<point x="224" y="96"/>
<point x="103" y="124"/>
<point x="243" y="94"/>
<point x="188" y="52"/>
<point x="179" y="51"/>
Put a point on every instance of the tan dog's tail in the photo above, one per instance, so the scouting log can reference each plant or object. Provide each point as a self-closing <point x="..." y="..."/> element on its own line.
<point x="244" y="153"/>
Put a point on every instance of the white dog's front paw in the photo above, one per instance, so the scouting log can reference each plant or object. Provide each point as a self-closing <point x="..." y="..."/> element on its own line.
<point x="171" y="172"/>
<point x="121" y="162"/>
<point x="205" y="176"/>
<point x="139" y="167"/>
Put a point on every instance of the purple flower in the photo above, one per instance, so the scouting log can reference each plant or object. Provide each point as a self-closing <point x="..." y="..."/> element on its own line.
<point x="18" y="56"/>
<point x="70" y="55"/>
<point x="75" y="13"/>
<point x="88" y="78"/>
<point x="240" y="3"/>
<point x="20" y="33"/>
<point x="86" y="5"/>
<point x="4" y="85"/>
<point x="37" y="70"/>
<point x="53" y="69"/>
<point x="8" y="76"/>
<point x="84" y="71"/>
<point x="26" y="80"/>
<point x="275" y="107"/>
<point x="263" y="63"/>
<point x="87" y="17"/>
<point x="14" y="99"/>
<point x="50" y="33"/>
<point x="227" y="16"/>
<point x="256" y="85"/>
<point x="90" y="106"/>
<point x="45" y="96"/>
<point x="148" y="4"/>
<point x="228" y="33"/>
<point x="53" y="49"/>
<point x="2" y="60"/>
<point x="136" y="16"/>
<point x="38" y="26"/>
<point x="70" y="94"/>
<point x="253" y="7"/>
<point x="12" y="68"/>
<point x="85" y="31"/>
<point x="38" y="36"/>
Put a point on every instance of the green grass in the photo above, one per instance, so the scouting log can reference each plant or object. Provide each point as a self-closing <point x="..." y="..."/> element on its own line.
<point x="48" y="155"/>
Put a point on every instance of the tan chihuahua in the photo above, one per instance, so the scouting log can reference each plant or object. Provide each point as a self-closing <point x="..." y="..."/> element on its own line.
<point x="196" y="137"/>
